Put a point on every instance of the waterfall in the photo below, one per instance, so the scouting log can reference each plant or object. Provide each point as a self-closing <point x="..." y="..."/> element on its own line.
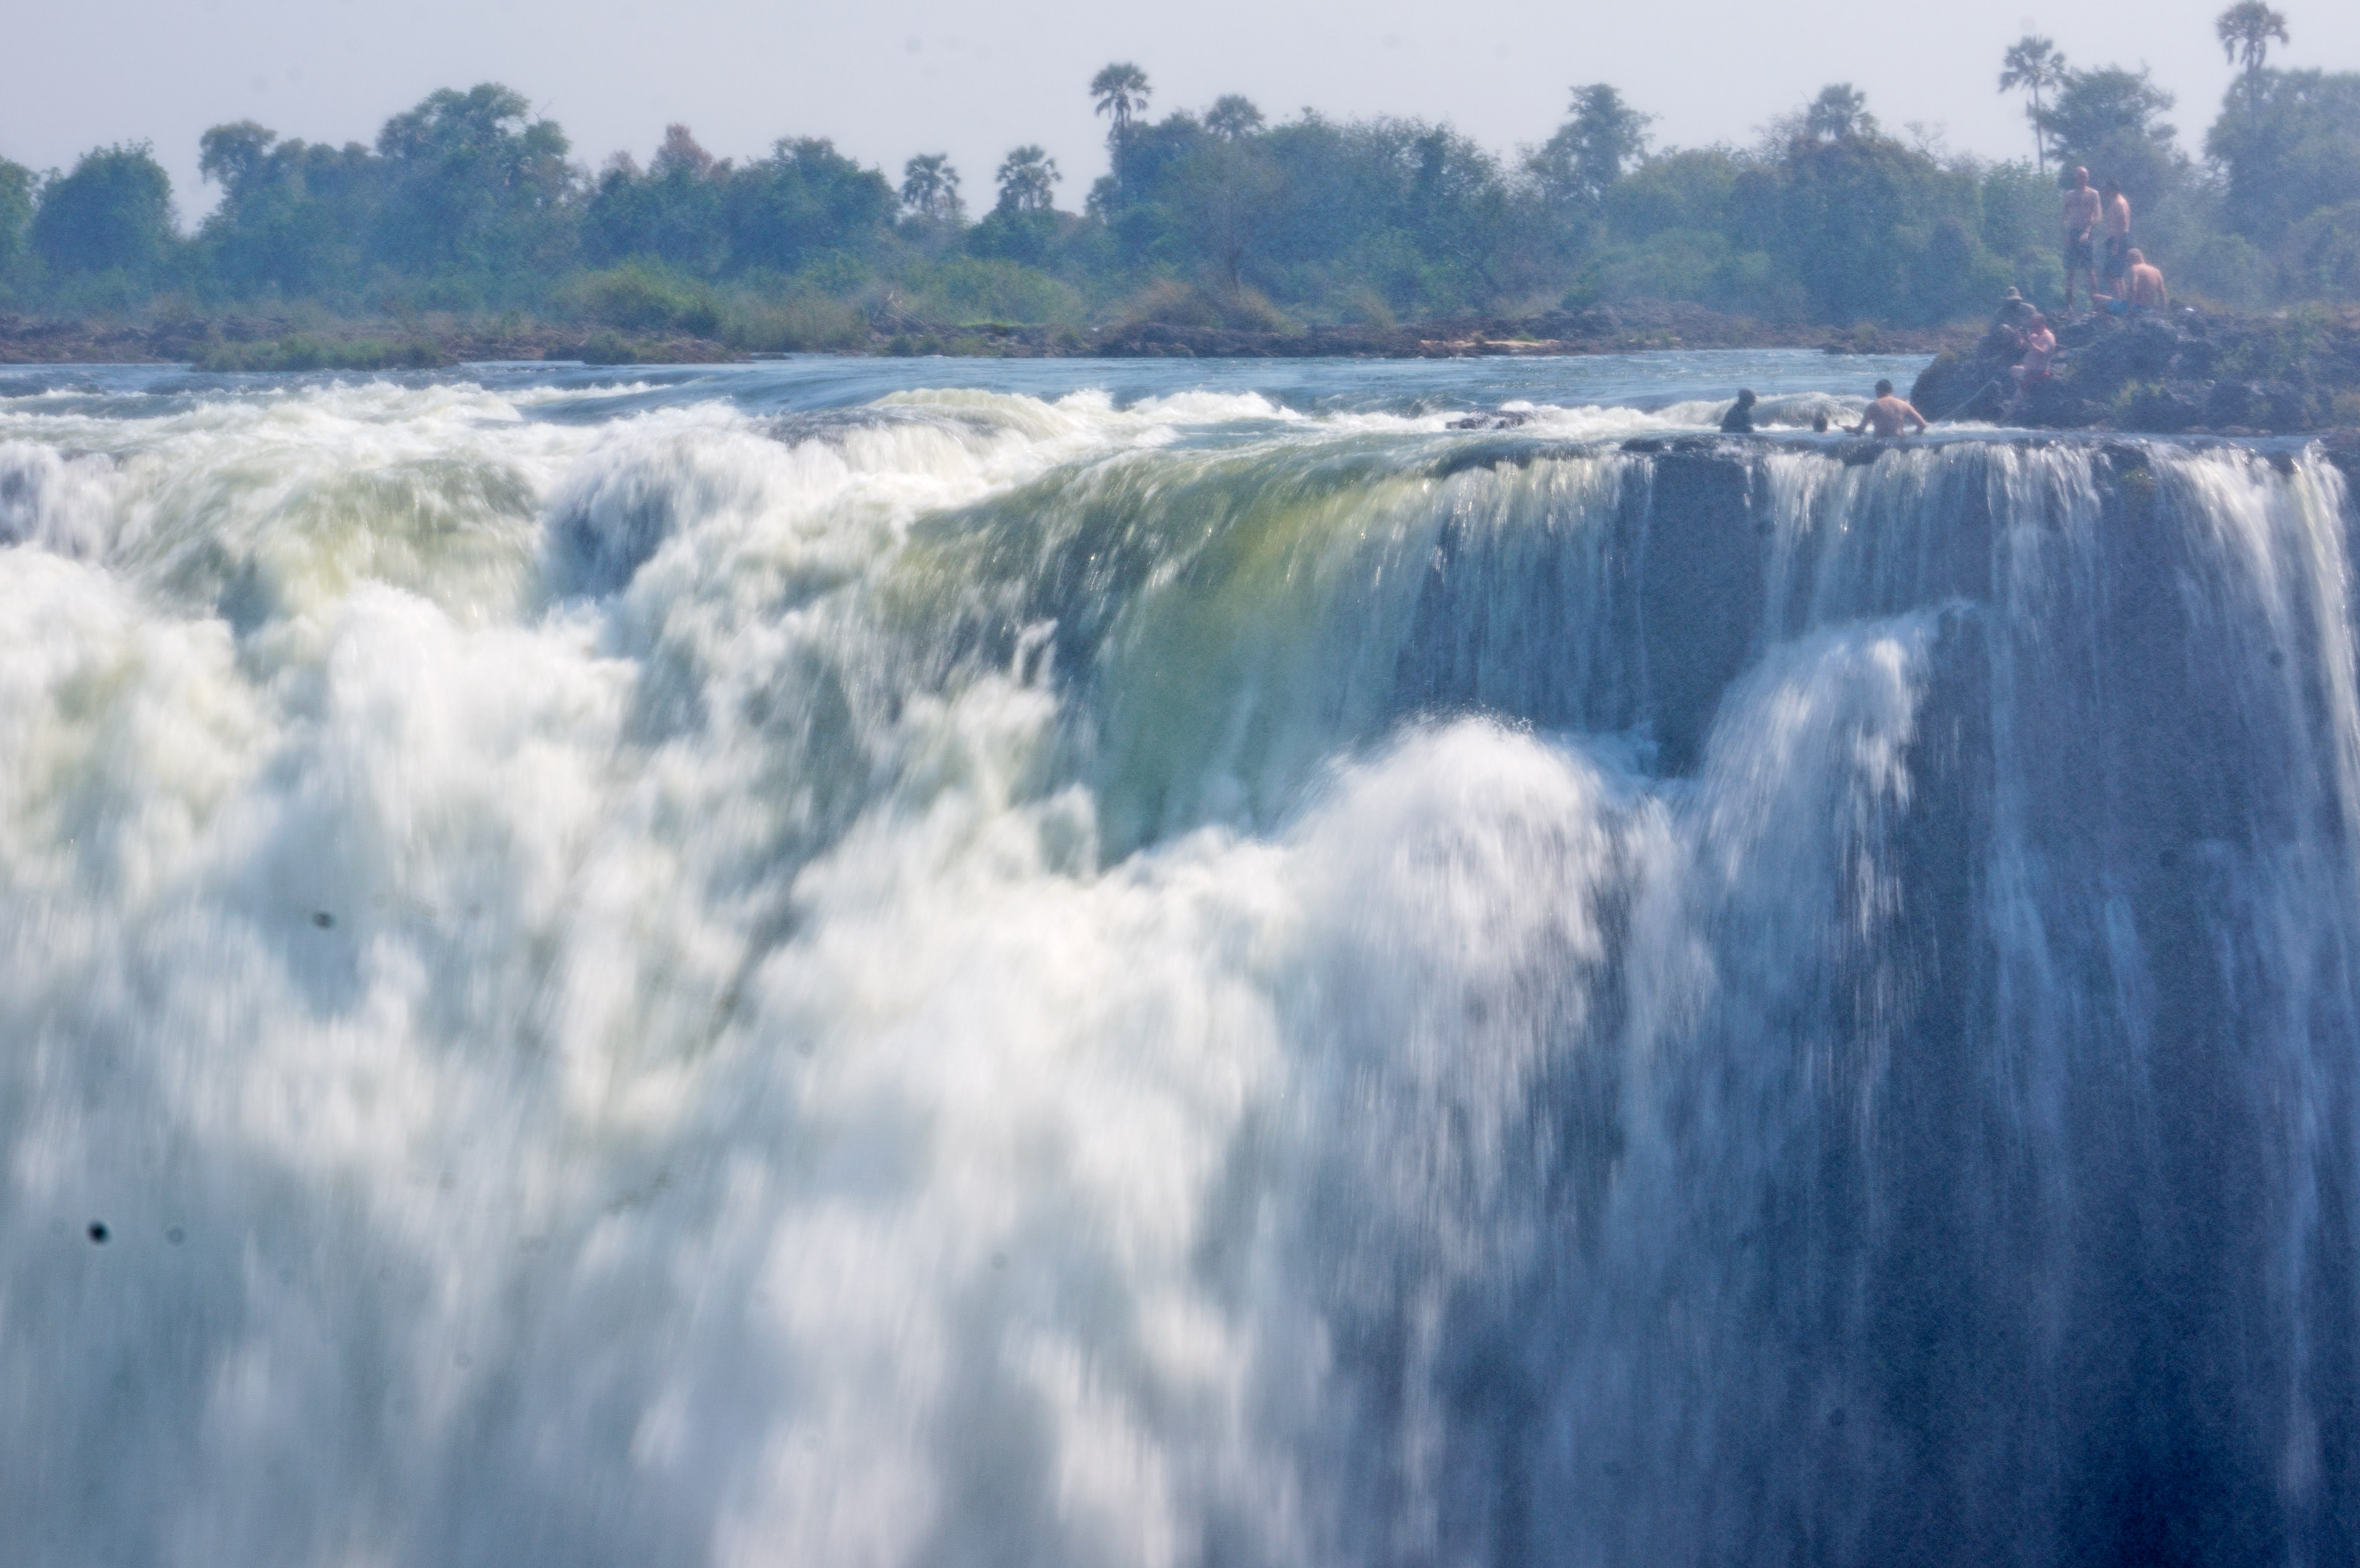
<point x="1001" y="979"/>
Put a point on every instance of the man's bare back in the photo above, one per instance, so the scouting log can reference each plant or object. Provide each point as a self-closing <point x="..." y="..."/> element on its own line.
<point x="1888" y="414"/>
<point x="2147" y="284"/>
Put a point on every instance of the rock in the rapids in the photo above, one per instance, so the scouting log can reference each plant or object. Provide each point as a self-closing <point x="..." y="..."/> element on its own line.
<point x="2180" y="371"/>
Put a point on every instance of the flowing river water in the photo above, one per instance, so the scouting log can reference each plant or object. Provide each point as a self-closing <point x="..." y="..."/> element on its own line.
<point x="965" y="964"/>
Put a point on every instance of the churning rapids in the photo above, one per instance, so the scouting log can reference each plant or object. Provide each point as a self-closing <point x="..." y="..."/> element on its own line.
<point x="1138" y="964"/>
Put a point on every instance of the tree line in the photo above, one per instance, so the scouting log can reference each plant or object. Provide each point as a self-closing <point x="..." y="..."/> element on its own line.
<point x="470" y="202"/>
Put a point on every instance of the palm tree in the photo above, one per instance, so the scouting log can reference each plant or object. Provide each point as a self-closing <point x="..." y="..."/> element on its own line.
<point x="2245" y="30"/>
<point x="1232" y="116"/>
<point x="930" y="187"/>
<point x="1027" y="178"/>
<point x="2033" y="64"/>
<point x="1838" y="114"/>
<point x="1121" y="91"/>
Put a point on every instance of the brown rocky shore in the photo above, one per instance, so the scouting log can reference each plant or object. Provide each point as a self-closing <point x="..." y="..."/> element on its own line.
<point x="254" y="341"/>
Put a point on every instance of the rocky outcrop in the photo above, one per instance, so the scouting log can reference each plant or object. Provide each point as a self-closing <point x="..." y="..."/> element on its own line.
<point x="2174" y="373"/>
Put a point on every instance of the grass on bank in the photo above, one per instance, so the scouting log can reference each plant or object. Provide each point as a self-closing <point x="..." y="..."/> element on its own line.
<point x="301" y="351"/>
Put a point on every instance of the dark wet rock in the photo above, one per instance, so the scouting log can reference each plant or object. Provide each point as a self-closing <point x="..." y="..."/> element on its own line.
<point x="2168" y="410"/>
<point x="1498" y="419"/>
<point x="2230" y="403"/>
<point x="2186" y="371"/>
<point x="2342" y="448"/>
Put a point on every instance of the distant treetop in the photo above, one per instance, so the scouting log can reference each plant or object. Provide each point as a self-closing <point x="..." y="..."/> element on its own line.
<point x="1121" y="91"/>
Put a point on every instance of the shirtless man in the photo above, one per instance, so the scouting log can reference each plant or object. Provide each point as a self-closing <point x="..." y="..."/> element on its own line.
<point x="2145" y="292"/>
<point x="2117" y="209"/>
<point x="1888" y="414"/>
<point x="2079" y="216"/>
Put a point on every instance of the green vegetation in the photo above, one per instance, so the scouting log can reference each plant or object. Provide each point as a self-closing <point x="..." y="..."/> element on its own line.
<point x="469" y="206"/>
<point x="303" y="352"/>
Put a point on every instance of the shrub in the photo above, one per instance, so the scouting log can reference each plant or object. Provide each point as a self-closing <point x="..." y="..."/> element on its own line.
<point x="1171" y="303"/>
<point x="2226" y="269"/>
<point x="969" y="289"/>
<point x="797" y="323"/>
<point x="640" y="298"/>
<point x="2323" y="254"/>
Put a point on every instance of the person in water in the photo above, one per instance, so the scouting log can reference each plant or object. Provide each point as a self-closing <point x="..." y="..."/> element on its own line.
<point x="2079" y="216"/>
<point x="2116" y="208"/>
<point x="1888" y="414"/>
<point x="1739" y="420"/>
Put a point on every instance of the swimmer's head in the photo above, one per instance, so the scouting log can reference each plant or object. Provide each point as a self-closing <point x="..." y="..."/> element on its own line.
<point x="1884" y="388"/>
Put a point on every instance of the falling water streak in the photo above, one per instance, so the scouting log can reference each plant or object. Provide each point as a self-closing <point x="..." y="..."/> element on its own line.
<point x="994" y="979"/>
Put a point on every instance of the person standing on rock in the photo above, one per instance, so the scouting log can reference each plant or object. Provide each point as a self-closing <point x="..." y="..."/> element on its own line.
<point x="2081" y="214"/>
<point x="1888" y="414"/>
<point x="2117" y="208"/>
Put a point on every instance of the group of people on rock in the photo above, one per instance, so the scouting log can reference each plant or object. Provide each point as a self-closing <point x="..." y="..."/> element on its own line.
<point x="2135" y="285"/>
<point x="2133" y="282"/>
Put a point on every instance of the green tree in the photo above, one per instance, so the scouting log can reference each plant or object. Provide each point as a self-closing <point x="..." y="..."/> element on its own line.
<point x="1120" y="91"/>
<point x="2324" y="252"/>
<point x="1027" y="178"/>
<point x="1601" y="138"/>
<point x="2110" y="120"/>
<point x="1222" y="194"/>
<point x="1407" y="210"/>
<point x="17" y="193"/>
<point x="111" y="213"/>
<point x="2286" y="146"/>
<point x="1838" y="114"/>
<point x="1874" y="231"/>
<point x="676" y="212"/>
<point x="930" y="189"/>
<point x="804" y="202"/>
<point x="2245" y="30"/>
<point x="2034" y="66"/>
<point x="1233" y="117"/>
<point x="478" y="193"/>
<point x="290" y="213"/>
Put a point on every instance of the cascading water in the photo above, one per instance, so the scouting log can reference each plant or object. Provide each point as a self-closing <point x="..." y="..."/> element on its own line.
<point x="634" y="976"/>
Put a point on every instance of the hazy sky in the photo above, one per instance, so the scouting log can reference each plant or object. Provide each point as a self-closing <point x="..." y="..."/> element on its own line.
<point x="889" y="78"/>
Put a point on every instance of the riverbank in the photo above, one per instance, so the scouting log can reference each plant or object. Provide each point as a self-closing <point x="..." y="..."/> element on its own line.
<point x="262" y="342"/>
